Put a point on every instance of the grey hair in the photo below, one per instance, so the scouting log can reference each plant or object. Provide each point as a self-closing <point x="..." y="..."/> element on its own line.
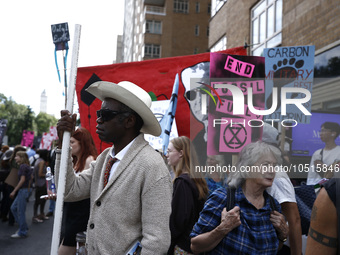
<point x="221" y="162"/>
<point x="219" y="158"/>
<point x="249" y="155"/>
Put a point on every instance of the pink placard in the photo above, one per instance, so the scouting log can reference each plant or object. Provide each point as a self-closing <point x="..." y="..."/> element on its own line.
<point x="239" y="67"/>
<point x="227" y="108"/>
<point x="234" y="135"/>
<point x="27" y="138"/>
<point x="258" y="87"/>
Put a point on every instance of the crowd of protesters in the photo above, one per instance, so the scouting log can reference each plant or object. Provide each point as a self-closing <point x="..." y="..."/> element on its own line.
<point x="135" y="202"/>
<point x="22" y="176"/>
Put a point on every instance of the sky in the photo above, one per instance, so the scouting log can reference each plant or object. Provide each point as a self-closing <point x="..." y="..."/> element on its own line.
<point x="27" y="63"/>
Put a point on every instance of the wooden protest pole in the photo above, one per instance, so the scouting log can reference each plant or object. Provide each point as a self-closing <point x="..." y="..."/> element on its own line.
<point x="65" y="148"/>
<point x="234" y="159"/>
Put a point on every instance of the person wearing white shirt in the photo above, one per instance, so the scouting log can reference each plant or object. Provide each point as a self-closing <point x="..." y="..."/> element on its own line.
<point x="322" y="159"/>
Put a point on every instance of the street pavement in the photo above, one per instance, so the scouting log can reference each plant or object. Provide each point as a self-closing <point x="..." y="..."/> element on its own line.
<point x="39" y="237"/>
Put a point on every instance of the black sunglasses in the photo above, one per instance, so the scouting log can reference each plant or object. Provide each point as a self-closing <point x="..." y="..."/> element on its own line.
<point x="106" y="114"/>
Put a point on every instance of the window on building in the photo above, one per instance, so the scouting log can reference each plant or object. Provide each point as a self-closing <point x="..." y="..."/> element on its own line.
<point x="157" y="10"/>
<point x="153" y="27"/>
<point x="209" y="8"/>
<point x="196" y="51"/>
<point x="216" y="5"/>
<point x="197" y="30"/>
<point x="181" y="6"/>
<point x="152" y="50"/>
<point x="327" y="77"/>
<point x="197" y="7"/>
<point x="219" y="45"/>
<point x="327" y="63"/>
<point x="266" y="23"/>
<point x="208" y="31"/>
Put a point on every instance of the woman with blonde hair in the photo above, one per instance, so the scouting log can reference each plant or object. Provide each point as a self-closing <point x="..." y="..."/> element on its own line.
<point x="189" y="193"/>
<point x="22" y="189"/>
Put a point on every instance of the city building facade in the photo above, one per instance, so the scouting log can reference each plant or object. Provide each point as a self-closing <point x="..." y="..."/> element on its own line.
<point x="164" y="28"/>
<point x="263" y="24"/>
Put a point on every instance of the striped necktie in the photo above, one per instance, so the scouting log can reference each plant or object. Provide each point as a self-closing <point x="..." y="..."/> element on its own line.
<point x="108" y="169"/>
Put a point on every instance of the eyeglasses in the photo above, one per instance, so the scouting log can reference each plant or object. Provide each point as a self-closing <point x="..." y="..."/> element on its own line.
<point x="106" y="114"/>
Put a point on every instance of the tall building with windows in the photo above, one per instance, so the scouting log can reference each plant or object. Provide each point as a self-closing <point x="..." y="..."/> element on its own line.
<point x="278" y="23"/>
<point x="165" y="28"/>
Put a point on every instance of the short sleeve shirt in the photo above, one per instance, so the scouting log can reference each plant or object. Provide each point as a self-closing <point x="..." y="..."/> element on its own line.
<point x="328" y="157"/>
<point x="27" y="172"/>
<point x="255" y="235"/>
<point x="282" y="189"/>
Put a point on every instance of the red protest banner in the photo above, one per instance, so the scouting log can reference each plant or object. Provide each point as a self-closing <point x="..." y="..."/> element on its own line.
<point x="155" y="76"/>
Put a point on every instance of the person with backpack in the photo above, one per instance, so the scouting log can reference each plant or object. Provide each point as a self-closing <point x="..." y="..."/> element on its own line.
<point x="321" y="164"/>
<point x="243" y="219"/>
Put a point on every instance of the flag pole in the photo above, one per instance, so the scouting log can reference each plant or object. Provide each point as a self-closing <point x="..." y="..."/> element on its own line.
<point x="65" y="148"/>
<point x="65" y="79"/>
<point x="168" y="118"/>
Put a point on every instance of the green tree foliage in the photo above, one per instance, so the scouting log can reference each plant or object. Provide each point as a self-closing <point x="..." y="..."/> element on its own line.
<point x="21" y="117"/>
<point x="44" y="121"/>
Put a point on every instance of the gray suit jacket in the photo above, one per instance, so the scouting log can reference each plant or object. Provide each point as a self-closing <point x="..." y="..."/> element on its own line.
<point x="134" y="205"/>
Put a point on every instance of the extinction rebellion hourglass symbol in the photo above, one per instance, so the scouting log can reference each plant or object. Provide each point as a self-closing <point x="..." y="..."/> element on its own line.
<point x="235" y="136"/>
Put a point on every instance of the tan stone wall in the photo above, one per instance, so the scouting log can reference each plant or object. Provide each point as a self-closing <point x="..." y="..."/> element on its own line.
<point x="178" y="30"/>
<point x="305" y="22"/>
<point x="311" y="22"/>
<point x="232" y="20"/>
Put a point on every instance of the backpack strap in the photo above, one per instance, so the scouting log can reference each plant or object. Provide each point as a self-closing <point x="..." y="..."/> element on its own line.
<point x="321" y="154"/>
<point x="272" y="203"/>
<point x="230" y="198"/>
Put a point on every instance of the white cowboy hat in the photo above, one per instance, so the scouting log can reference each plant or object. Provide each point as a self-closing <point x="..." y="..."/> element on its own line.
<point x="132" y="96"/>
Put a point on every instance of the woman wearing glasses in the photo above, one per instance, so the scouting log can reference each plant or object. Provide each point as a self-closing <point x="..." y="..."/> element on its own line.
<point x="254" y="225"/>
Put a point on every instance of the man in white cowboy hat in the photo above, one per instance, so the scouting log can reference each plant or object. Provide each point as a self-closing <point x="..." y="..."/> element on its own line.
<point x="130" y="200"/>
